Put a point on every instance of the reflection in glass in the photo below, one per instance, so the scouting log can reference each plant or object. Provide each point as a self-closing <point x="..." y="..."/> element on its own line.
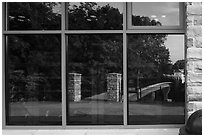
<point x="34" y="16"/>
<point x="94" y="80"/>
<point x="156" y="91"/>
<point x="95" y="16"/>
<point x="155" y="14"/>
<point x="34" y="80"/>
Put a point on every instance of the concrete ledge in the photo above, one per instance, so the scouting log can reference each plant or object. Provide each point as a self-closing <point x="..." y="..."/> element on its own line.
<point x="169" y="131"/>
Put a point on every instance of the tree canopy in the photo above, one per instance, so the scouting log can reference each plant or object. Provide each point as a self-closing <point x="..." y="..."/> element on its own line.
<point x="33" y="16"/>
<point x="147" y="54"/>
<point x="89" y="15"/>
<point x="179" y="64"/>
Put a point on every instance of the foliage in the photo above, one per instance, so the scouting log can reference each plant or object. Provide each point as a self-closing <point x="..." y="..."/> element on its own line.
<point x="33" y="15"/>
<point x="180" y="64"/>
<point x="37" y="57"/>
<point x="89" y="15"/>
<point x="147" y="55"/>
<point x="144" y="21"/>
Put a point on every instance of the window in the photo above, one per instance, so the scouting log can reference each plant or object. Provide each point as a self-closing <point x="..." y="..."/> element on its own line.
<point x="34" y="16"/>
<point x="95" y="16"/>
<point x="156" y="89"/>
<point x="95" y="80"/>
<point x="93" y="63"/>
<point x="34" y="80"/>
<point x="155" y="15"/>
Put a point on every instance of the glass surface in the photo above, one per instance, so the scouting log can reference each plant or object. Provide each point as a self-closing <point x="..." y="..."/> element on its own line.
<point x="155" y="14"/>
<point x="34" y="80"/>
<point x="156" y="86"/>
<point x="94" y="80"/>
<point x="34" y="16"/>
<point x="95" y="16"/>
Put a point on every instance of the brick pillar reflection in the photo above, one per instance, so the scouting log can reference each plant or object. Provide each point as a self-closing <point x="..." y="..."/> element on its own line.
<point x="74" y="87"/>
<point x="114" y="87"/>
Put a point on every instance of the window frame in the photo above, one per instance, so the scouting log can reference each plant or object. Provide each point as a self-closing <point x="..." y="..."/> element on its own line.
<point x="127" y="29"/>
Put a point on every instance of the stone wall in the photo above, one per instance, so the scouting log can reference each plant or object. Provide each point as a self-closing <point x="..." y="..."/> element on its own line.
<point x="114" y="92"/>
<point x="74" y="87"/>
<point x="194" y="56"/>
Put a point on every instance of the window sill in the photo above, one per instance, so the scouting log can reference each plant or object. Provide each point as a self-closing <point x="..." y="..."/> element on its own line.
<point x="152" y="131"/>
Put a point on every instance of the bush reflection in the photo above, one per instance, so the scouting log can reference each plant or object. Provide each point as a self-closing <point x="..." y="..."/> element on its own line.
<point x="34" y="70"/>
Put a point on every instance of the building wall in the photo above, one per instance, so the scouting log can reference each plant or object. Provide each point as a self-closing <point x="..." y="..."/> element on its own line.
<point x="194" y="56"/>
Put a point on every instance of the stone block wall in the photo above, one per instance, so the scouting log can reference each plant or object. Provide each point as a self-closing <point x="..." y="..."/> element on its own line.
<point x="114" y="92"/>
<point x="194" y="56"/>
<point x="74" y="87"/>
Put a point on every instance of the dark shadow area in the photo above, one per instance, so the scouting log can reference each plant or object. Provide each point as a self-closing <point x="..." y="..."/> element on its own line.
<point x="34" y="120"/>
<point x="96" y="120"/>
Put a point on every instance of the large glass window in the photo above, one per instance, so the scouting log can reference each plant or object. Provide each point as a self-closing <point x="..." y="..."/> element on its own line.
<point x="34" y="80"/>
<point x="94" y="80"/>
<point x="156" y="88"/>
<point x="93" y="63"/>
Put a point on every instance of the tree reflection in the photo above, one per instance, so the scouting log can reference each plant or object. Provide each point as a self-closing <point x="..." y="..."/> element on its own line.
<point x="34" y="16"/>
<point x="89" y="16"/>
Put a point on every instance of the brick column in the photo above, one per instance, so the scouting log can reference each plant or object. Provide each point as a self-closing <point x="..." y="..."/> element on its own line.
<point x="74" y="87"/>
<point x="194" y="57"/>
<point x="114" y="86"/>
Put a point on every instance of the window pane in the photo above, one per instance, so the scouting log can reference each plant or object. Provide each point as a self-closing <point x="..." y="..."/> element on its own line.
<point x="95" y="80"/>
<point x="34" y="16"/>
<point x="156" y="88"/>
<point x="155" y="14"/>
<point x="34" y="80"/>
<point x="95" y="16"/>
